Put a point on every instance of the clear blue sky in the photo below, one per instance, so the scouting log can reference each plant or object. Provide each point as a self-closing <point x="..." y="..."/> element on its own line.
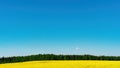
<point x="59" y="27"/>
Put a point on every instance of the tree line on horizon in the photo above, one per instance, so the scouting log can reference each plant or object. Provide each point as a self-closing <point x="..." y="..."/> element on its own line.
<point x="55" y="57"/>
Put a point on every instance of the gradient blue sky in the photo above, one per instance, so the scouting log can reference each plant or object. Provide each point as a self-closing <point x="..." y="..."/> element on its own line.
<point x="59" y="27"/>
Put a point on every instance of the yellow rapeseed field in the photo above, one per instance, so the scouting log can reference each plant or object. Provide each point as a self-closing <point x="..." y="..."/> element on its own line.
<point x="63" y="64"/>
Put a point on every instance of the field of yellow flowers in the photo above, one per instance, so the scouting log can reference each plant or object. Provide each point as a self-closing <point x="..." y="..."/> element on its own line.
<point x="63" y="64"/>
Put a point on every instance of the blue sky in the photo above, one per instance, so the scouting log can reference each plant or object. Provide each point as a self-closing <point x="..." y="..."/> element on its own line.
<point x="59" y="27"/>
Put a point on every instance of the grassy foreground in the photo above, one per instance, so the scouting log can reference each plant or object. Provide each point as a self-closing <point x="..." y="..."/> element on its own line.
<point x="63" y="64"/>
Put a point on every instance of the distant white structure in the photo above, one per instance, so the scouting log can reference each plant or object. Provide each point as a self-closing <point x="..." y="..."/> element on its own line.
<point x="77" y="48"/>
